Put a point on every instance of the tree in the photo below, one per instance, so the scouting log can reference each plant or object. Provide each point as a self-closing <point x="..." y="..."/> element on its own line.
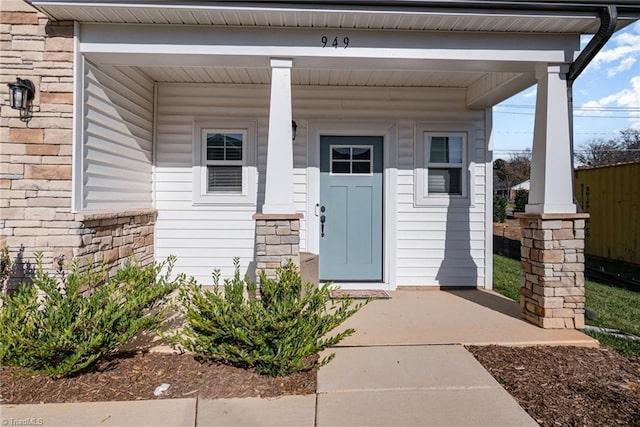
<point x="520" y="166"/>
<point x="598" y="152"/>
<point x="512" y="171"/>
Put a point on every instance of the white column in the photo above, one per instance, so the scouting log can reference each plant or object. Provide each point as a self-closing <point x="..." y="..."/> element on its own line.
<point x="278" y="193"/>
<point x="551" y="188"/>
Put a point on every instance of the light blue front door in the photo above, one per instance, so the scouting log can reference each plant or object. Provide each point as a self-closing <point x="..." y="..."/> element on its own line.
<point x="351" y="208"/>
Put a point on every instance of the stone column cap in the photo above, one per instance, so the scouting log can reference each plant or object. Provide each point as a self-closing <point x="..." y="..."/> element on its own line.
<point x="260" y="216"/>
<point x="525" y="215"/>
<point x="109" y="214"/>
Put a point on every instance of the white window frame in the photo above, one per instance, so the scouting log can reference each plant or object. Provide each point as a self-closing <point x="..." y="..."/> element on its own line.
<point x="422" y="197"/>
<point x="248" y="195"/>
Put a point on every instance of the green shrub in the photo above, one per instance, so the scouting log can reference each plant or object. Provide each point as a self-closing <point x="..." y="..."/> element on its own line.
<point x="499" y="208"/>
<point x="277" y="332"/>
<point x="62" y="326"/>
<point x="521" y="200"/>
<point x="5" y="266"/>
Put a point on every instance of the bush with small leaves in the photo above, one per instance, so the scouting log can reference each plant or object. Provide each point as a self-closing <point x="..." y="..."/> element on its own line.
<point x="5" y="266"/>
<point x="61" y="326"/>
<point x="521" y="200"/>
<point x="499" y="208"/>
<point x="277" y="330"/>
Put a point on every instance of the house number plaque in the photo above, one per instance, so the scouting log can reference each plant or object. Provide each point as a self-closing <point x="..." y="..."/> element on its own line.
<point x="336" y="42"/>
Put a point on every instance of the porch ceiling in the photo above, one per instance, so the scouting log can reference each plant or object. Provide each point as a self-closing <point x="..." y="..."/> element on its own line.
<point x="313" y="77"/>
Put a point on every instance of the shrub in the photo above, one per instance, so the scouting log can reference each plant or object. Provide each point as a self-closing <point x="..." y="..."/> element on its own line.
<point x="276" y="332"/>
<point x="5" y="267"/>
<point x="61" y="327"/>
<point x="521" y="200"/>
<point x="499" y="208"/>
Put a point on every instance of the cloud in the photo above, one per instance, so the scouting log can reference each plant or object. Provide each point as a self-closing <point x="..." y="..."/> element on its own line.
<point x="624" y="65"/>
<point x="530" y="94"/>
<point x="628" y="98"/>
<point x="623" y="55"/>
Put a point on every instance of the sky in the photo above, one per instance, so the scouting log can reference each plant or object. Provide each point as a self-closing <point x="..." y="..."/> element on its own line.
<point x="606" y="99"/>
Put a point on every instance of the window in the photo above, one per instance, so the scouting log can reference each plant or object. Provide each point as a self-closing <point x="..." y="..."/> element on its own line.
<point x="224" y="160"/>
<point x="351" y="160"/>
<point x="444" y="164"/>
<point x="442" y="168"/>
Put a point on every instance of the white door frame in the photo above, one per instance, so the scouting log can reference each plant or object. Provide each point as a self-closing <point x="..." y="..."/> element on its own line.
<point x="389" y="132"/>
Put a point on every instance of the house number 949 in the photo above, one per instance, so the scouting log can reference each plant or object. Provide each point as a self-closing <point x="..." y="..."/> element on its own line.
<point x="336" y="42"/>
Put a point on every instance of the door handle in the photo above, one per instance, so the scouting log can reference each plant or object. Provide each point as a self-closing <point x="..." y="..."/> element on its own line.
<point x="323" y="219"/>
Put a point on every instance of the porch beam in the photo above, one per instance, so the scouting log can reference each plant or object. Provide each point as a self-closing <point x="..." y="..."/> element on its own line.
<point x="468" y="51"/>
<point x="551" y="167"/>
<point x="278" y="193"/>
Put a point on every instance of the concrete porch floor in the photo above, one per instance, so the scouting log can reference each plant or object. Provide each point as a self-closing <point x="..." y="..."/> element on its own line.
<point x="469" y="317"/>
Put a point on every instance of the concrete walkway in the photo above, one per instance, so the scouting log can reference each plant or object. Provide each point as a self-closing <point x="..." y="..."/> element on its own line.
<point x="469" y="317"/>
<point x="404" y="367"/>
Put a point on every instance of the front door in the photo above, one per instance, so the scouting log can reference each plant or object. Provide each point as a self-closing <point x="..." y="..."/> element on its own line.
<point x="351" y="208"/>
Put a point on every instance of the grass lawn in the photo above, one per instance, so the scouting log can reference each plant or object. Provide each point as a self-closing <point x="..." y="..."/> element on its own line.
<point x="615" y="308"/>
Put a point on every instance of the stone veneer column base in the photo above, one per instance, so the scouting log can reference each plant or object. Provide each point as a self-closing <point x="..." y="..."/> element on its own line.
<point x="277" y="241"/>
<point x="111" y="237"/>
<point x="552" y="292"/>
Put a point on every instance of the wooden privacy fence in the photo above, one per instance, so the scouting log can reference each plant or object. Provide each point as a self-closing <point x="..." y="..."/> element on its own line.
<point x="611" y="195"/>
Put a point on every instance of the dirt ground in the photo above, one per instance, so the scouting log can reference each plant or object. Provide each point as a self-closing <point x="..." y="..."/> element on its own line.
<point x="509" y="229"/>
<point x="557" y="386"/>
<point x="136" y="376"/>
<point x="568" y="386"/>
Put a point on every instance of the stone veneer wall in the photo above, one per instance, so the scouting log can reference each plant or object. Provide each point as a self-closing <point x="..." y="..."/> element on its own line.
<point x="277" y="241"/>
<point x="552" y="253"/>
<point x="112" y="237"/>
<point x="35" y="157"/>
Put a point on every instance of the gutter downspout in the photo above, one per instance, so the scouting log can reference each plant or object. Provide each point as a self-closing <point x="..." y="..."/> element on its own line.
<point x="608" y="21"/>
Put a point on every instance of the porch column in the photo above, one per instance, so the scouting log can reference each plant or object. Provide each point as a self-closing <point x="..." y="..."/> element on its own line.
<point x="552" y="251"/>
<point x="551" y="183"/>
<point x="278" y="192"/>
<point x="278" y="226"/>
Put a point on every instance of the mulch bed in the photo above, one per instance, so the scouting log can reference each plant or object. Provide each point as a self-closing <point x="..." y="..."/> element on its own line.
<point x="568" y="386"/>
<point x="136" y="376"/>
<point x="509" y="229"/>
<point x="557" y="386"/>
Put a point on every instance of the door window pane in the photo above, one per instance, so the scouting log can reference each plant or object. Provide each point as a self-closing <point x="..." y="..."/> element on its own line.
<point x="361" y="153"/>
<point x="361" y="167"/>
<point x="341" y="153"/>
<point x="340" y="167"/>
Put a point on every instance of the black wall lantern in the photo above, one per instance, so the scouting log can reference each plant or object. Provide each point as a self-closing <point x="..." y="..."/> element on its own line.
<point x="21" y="94"/>
<point x="294" y="129"/>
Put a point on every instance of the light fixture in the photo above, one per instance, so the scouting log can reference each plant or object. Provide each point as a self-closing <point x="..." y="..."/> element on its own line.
<point x="20" y="93"/>
<point x="294" y="129"/>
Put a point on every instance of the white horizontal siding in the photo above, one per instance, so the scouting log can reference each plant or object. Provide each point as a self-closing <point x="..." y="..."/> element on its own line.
<point x="434" y="246"/>
<point x="118" y="135"/>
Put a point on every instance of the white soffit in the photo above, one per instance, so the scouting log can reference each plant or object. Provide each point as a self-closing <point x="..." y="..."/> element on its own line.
<point x="311" y="77"/>
<point x="377" y="20"/>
